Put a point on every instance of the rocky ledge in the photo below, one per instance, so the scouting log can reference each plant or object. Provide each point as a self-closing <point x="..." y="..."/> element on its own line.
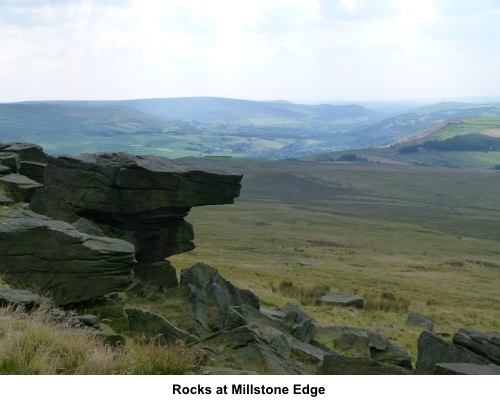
<point x="112" y="199"/>
<point x="54" y="256"/>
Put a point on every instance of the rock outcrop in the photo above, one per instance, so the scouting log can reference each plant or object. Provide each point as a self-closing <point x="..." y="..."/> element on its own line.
<point x="486" y="344"/>
<point x="141" y="199"/>
<point x="369" y="343"/>
<point x="433" y="350"/>
<point x="337" y="364"/>
<point x="55" y="258"/>
<point x="26" y="159"/>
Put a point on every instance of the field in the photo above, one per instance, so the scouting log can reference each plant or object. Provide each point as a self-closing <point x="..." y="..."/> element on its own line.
<point x="489" y="126"/>
<point x="428" y="236"/>
<point x="485" y="125"/>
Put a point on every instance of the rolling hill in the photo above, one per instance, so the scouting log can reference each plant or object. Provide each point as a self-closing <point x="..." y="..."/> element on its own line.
<point x="466" y="142"/>
<point x="178" y="127"/>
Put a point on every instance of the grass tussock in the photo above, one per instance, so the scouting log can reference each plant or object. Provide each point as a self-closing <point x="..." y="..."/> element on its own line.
<point x="305" y="295"/>
<point x="31" y="345"/>
<point x="385" y="301"/>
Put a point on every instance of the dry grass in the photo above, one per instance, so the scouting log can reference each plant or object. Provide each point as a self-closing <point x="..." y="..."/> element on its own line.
<point x="305" y="295"/>
<point x="31" y="345"/>
<point x="385" y="301"/>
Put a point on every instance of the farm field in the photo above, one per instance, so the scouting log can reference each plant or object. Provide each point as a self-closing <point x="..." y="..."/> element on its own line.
<point x="429" y="237"/>
<point x="483" y="159"/>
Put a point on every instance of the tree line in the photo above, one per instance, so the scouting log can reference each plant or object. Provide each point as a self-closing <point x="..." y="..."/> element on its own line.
<point x="459" y="143"/>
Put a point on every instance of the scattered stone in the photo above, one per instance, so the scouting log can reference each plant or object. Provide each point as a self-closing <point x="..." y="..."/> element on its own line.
<point x="273" y="313"/>
<point x="108" y="335"/>
<point x="109" y="310"/>
<point x="308" y="353"/>
<point x="215" y="302"/>
<point x="343" y="299"/>
<point x="304" y="264"/>
<point x="299" y="324"/>
<point x="424" y="322"/>
<point x="246" y="349"/>
<point x="10" y="296"/>
<point x="276" y="339"/>
<point x="433" y="350"/>
<point x="353" y="343"/>
<point x="376" y="339"/>
<point x="394" y="354"/>
<point x="486" y="344"/>
<point x="337" y="364"/>
<point x="92" y="321"/>
<point x="466" y="369"/>
<point x="224" y="371"/>
<point x="150" y="326"/>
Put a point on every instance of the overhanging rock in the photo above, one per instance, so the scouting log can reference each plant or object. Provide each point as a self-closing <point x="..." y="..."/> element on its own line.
<point x="141" y="199"/>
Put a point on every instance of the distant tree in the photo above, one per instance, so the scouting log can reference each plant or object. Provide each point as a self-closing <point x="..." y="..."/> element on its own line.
<point x="348" y="157"/>
<point x="409" y="149"/>
<point x="468" y="142"/>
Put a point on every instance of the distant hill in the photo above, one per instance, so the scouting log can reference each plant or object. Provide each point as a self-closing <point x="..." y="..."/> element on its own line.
<point x="225" y="110"/>
<point x="398" y="127"/>
<point x="466" y="142"/>
<point x="199" y="126"/>
<point x="177" y="127"/>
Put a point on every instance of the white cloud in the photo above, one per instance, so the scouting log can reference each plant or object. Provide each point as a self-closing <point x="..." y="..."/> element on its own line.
<point x="296" y="49"/>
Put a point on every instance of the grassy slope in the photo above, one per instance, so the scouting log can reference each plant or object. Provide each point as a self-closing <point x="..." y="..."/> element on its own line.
<point x="428" y="235"/>
<point x="485" y="125"/>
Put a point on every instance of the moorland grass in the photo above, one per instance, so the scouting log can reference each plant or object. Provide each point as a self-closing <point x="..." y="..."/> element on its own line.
<point x="29" y="344"/>
<point x="427" y="236"/>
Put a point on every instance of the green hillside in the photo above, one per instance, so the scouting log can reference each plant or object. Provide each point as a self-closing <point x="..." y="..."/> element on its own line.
<point x="261" y="113"/>
<point x="183" y="126"/>
<point x="209" y="126"/>
<point x="476" y="141"/>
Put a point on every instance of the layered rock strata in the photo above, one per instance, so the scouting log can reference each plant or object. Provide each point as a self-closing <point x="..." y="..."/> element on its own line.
<point x="53" y="257"/>
<point x="141" y="199"/>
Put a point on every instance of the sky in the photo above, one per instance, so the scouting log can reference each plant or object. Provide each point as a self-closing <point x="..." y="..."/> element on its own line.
<point x="298" y="50"/>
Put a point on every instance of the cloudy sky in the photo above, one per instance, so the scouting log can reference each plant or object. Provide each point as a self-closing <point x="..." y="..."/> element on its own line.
<point x="351" y="50"/>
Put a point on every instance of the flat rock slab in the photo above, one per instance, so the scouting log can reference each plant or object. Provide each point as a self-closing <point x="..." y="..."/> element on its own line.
<point x="343" y="299"/>
<point x="56" y="258"/>
<point x="18" y="187"/>
<point x="119" y="183"/>
<point x="486" y="344"/>
<point x="337" y="364"/>
<point x="466" y="369"/>
<point x="10" y="296"/>
<point x="273" y="313"/>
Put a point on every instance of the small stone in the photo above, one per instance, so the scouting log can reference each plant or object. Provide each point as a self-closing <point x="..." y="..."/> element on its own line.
<point x="343" y="299"/>
<point x="422" y="321"/>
